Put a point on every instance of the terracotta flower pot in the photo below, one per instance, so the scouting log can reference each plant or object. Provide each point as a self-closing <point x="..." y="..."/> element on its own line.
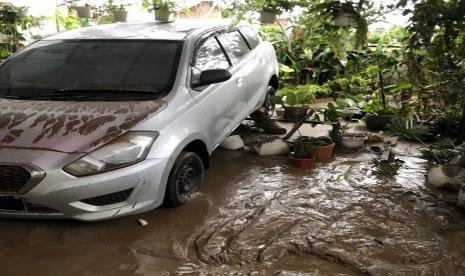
<point x="303" y="163"/>
<point x="295" y="113"/>
<point x="322" y="153"/>
<point x="378" y="122"/>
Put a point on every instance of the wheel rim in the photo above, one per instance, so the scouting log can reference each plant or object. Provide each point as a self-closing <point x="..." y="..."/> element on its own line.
<point x="269" y="105"/>
<point x="188" y="179"/>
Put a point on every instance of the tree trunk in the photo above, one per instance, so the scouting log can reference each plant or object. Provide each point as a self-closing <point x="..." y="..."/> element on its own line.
<point x="381" y="88"/>
<point x="461" y="136"/>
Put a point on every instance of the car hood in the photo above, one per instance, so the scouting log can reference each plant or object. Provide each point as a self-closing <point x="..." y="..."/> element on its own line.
<point x="70" y="127"/>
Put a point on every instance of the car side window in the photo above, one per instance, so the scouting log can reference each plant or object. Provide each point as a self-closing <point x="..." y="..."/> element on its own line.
<point x="235" y="45"/>
<point x="209" y="55"/>
<point x="251" y="36"/>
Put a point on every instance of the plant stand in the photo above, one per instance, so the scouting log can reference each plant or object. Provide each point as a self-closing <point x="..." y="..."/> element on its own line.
<point x="297" y="123"/>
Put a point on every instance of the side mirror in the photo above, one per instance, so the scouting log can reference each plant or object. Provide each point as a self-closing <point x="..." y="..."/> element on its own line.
<point x="213" y="76"/>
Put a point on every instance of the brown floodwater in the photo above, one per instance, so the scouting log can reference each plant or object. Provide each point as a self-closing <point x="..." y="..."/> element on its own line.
<point x="261" y="216"/>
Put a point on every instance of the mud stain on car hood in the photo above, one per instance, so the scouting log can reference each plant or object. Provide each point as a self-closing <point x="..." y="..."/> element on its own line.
<point x="69" y="126"/>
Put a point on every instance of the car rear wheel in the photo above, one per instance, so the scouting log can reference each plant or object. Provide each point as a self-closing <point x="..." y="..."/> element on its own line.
<point x="184" y="180"/>
<point x="268" y="108"/>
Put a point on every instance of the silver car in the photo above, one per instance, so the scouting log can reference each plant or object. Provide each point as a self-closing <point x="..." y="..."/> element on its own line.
<point x="119" y="119"/>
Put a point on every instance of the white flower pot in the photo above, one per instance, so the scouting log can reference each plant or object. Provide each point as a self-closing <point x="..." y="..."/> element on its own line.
<point x="233" y="142"/>
<point x="83" y="11"/>
<point x="120" y="16"/>
<point x="353" y="140"/>
<point x="164" y="15"/>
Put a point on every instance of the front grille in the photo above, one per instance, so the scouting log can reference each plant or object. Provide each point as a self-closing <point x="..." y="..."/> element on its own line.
<point x="41" y="209"/>
<point x="13" y="178"/>
<point x="109" y="198"/>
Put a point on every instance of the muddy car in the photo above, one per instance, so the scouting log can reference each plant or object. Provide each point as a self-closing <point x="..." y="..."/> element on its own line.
<point x="118" y="119"/>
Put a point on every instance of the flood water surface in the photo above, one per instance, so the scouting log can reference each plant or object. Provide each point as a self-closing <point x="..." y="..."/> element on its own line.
<point x="261" y="216"/>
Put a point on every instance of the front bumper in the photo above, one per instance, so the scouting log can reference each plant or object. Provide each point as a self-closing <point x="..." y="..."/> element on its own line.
<point x="63" y="192"/>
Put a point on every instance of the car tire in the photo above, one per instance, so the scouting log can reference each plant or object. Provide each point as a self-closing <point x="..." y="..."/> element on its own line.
<point x="268" y="107"/>
<point x="184" y="180"/>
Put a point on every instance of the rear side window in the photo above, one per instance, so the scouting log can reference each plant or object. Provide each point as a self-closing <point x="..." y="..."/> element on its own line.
<point x="235" y="45"/>
<point x="208" y="56"/>
<point x="251" y="36"/>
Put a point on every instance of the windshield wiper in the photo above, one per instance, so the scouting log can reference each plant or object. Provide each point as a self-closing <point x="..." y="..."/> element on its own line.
<point x="93" y="90"/>
<point x="89" y="93"/>
<point x="84" y="94"/>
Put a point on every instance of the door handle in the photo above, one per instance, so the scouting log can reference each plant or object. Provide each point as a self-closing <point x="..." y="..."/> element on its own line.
<point x="239" y="82"/>
<point x="262" y="61"/>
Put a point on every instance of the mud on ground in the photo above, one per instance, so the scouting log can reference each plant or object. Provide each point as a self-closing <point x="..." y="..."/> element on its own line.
<point x="261" y="216"/>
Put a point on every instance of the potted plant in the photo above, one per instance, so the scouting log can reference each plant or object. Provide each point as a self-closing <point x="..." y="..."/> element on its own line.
<point x="13" y="23"/>
<point x="353" y="140"/>
<point x="119" y="12"/>
<point x="269" y="9"/>
<point x="164" y="9"/>
<point x="295" y="101"/>
<point x="301" y="156"/>
<point x="380" y="112"/>
<point x="379" y="115"/>
<point x="83" y="9"/>
<point x="378" y="119"/>
<point x="322" y="148"/>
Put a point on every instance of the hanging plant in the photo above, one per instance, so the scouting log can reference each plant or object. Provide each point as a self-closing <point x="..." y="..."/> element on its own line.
<point x="13" y="21"/>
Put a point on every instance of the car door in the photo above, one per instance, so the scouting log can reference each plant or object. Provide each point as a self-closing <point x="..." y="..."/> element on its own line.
<point x="257" y="77"/>
<point x="239" y="54"/>
<point x="224" y="102"/>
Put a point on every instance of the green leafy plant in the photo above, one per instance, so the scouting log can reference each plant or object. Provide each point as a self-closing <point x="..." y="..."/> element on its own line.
<point x="67" y="21"/>
<point x="408" y="130"/>
<point x="320" y="141"/>
<point x="13" y="23"/>
<point x="446" y="124"/>
<point x="353" y="85"/>
<point x="76" y="3"/>
<point x="302" y="147"/>
<point x="111" y="5"/>
<point x="442" y="151"/>
<point x="387" y="167"/>
<point x="301" y="95"/>
<point x="275" y="6"/>
<point x="152" y="5"/>
<point x="377" y="107"/>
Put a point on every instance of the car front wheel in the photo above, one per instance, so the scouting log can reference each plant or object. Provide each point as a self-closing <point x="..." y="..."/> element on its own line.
<point x="184" y="180"/>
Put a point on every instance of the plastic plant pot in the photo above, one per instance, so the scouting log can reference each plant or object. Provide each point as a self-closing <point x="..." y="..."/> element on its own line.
<point x="303" y="163"/>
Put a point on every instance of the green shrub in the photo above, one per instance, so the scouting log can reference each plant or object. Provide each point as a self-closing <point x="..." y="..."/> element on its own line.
<point x="442" y="151"/>
<point x="387" y="167"/>
<point x="354" y="85"/>
<point x="320" y="141"/>
<point x="302" y="147"/>
<point x="299" y="95"/>
<point x="408" y="130"/>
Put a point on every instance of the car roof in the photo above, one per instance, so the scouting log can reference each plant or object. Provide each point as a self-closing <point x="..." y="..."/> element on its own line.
<point x="178" y="30"/>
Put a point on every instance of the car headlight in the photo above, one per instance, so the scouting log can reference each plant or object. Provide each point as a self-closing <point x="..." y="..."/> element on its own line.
<point x="128" y="149"/>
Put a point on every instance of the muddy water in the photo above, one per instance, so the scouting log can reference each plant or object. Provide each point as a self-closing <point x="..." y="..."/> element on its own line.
<point x="260" y="216"/>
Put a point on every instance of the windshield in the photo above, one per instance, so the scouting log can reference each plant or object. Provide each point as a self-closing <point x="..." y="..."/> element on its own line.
<point x="51" y="67"/>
